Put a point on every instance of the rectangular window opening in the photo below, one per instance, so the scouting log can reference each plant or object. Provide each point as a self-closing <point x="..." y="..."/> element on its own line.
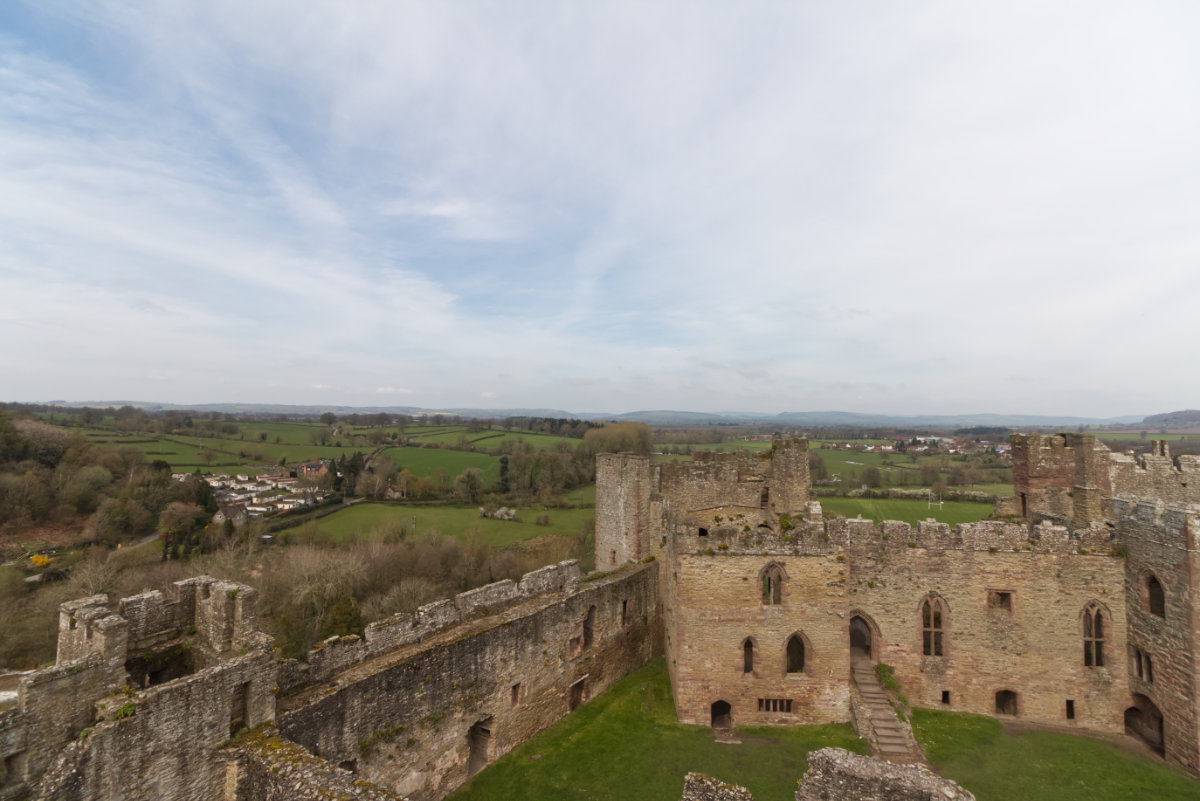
<point x="578" y="693"/>
<point x="1000" y="599"/>
<point x="1070" y="709"/>
<point x="514" y="694"/>
<point x="14" y="768"/>
<point x="775" y="705"/>
<point x="239" y="717"/>
<point x="946" y="697"/>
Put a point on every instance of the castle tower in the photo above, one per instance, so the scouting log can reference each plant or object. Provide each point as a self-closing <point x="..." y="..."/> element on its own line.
<point x="623" y="486"/>
<point x="789" y="482"/>
<point x="1162" y="568"/>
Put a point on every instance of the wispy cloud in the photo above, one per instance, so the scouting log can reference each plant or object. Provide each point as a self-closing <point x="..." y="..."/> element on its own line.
<point x="602" y="207"/>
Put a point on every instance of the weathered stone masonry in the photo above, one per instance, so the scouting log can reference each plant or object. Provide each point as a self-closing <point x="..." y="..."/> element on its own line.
<point x="143" y="701"/>
<point x="1083" y="614"/>
<point x="421" y="719"/>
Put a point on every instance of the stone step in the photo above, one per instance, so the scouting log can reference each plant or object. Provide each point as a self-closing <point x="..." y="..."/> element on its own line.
<point x="893" y="730"/>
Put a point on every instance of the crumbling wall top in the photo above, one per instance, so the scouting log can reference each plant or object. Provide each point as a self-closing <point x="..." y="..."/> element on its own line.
<point x="838" y="775"/>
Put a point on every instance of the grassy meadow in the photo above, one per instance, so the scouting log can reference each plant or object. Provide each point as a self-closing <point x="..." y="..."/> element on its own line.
<point x="363" y="520"/>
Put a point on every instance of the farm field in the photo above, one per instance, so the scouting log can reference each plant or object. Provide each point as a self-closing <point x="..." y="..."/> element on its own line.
<point x="426" y="461"/>
<point x="907" y="511"/>
<point x="979" y="754"/>
<point x="626" y="746"/>
<point x="455" y="521"/>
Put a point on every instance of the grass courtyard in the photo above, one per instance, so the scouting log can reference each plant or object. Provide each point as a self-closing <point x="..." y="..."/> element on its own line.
<point x="626" y="746"/>
<point x="976" y="752"/>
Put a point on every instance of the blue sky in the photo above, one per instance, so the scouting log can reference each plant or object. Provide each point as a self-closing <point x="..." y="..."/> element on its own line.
<point x="875" y="207"/>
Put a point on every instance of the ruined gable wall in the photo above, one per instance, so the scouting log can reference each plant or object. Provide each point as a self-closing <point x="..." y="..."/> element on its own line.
<point x="1064" y="477"/>
<point x="1155" y="475"/>
<point x="715" y="479"/>
<point x="1036" y="650"/>
<point x="164" y="750"/>
<point x="718" y="604"/>
<point x="1165" y="540"/>
<point x="404" y="720"/>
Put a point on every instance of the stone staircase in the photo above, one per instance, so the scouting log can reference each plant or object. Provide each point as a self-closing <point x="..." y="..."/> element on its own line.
<point x="892" y="739"/>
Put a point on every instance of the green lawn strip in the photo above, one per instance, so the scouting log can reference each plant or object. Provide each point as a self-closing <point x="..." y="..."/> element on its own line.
<point x="455" y="521"/>
<point x="908" y="511"/>
<point x="975" y="751"/>
<point x="296" y="433"/>
<point x="426" y="461"/>
<point x="626" y="746"/>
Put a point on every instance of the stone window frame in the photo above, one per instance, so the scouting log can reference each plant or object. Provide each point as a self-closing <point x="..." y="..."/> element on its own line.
<point x="775" y="570"/>
<point x="1095" y="626"/>
<point x="755" y="656"/>
<point x="937" y="625"/>
<point x="1150" y="600"/>
<point x="1143" y="664"/>
<point x="806" y="654"/>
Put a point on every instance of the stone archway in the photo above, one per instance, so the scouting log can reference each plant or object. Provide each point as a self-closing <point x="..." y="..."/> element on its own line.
<point x="722" y="715"/>
<point x="864" y="638"/>
<point x="1144" y="721"/>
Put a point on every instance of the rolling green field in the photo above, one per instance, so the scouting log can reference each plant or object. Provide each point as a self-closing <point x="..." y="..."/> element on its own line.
<point x="455" y="521"/>
<point x="908" y="511"/>
<point x="426" y="461"/>
<point x="626" y="746"/>
<point x="975" y="751"/>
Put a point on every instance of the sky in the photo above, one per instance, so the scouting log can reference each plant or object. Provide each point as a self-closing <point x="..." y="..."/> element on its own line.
<point x="904" y="208"/>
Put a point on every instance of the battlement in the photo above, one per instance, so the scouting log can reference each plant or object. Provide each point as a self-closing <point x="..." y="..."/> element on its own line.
<point x="220" y="615"/>
<point x="1173" y="521"/>
<point x="815" y="536"/>
<point x="338" y="653"/>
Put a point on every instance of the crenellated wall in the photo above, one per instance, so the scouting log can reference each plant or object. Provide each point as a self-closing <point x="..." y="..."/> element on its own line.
<point x="422" y="717"/>
<point x="1030" y="643"/>
<point x="1155" y="475"/>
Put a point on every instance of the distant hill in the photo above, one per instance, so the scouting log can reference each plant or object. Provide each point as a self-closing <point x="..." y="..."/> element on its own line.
<point x="1187" y="418"/>
<point x="1182" y="419"/>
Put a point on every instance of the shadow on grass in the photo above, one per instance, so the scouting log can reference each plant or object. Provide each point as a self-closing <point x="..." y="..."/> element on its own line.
<point x="626" y="746"/>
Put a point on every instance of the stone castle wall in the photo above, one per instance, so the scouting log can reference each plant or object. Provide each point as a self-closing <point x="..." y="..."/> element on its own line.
<point x="512" y="656"/>
<point x="623" y="508"/>
<point x="1163" y="541"/>
<point x="719" y="605"/>
<point x="424" y="717"/>
<point x="1155" y="475"/>
<point x="1031" y="644"/>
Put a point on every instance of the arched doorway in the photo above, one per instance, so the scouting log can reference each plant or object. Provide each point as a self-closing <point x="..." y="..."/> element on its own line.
<point x="722" y="715"/>
<point x="1144" y="721"/>
<point x="1006" y="702"/>
<point x="862" y="639"/>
